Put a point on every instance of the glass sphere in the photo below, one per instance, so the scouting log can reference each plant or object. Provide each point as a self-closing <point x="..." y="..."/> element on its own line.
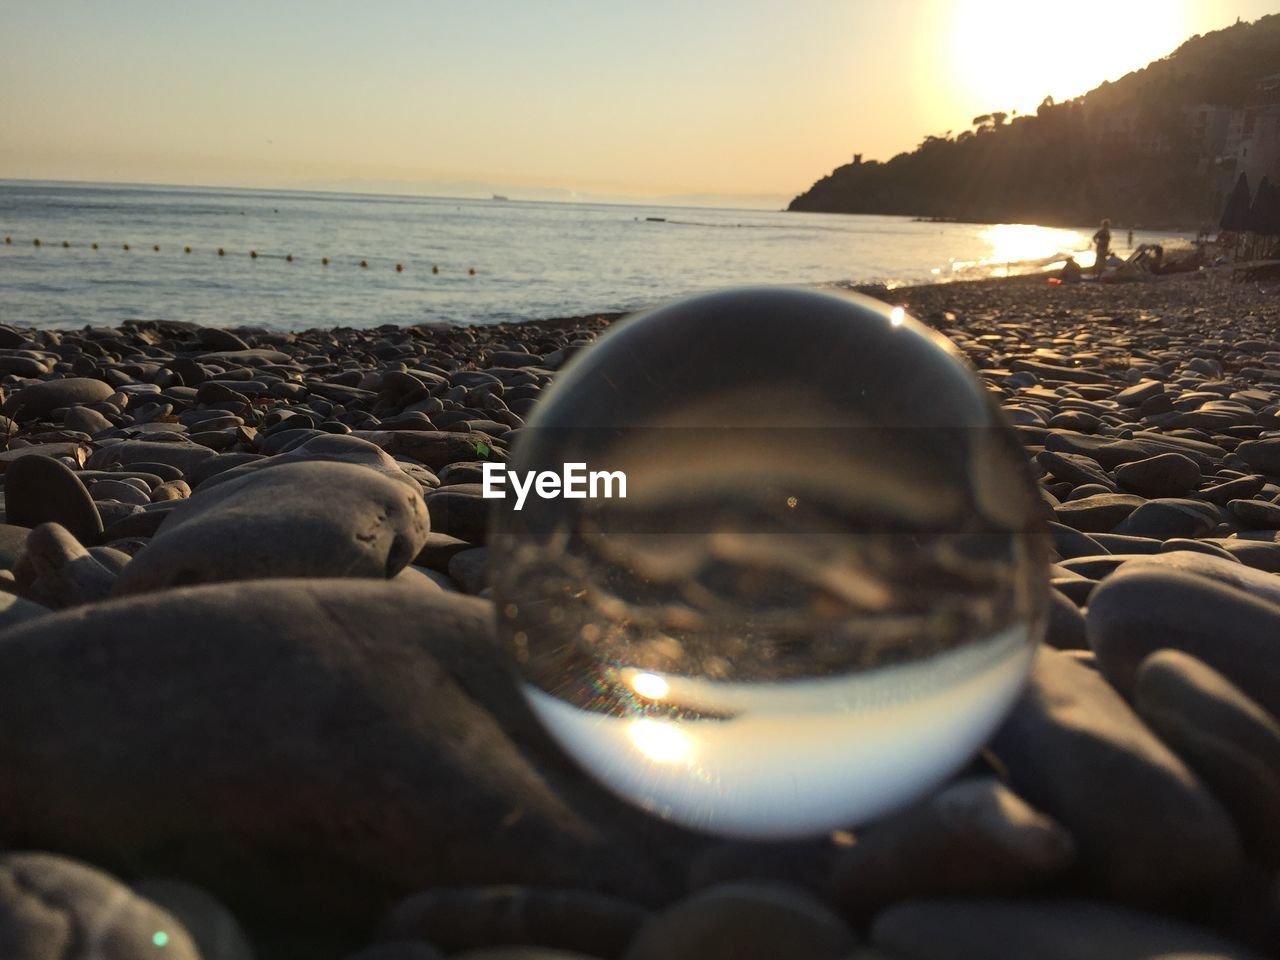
<point x="824" y="585"/>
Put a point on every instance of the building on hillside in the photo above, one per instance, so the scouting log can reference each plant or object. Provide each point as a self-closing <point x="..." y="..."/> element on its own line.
<point x="1253" y="141"/>
<point x="1207" y="125"/>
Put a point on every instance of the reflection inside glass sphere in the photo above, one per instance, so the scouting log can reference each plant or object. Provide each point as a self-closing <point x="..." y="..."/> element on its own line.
<point x="824" y="585"/>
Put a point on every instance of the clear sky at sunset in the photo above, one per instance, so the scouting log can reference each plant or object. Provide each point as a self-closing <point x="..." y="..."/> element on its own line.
<point x="729" y="98"/>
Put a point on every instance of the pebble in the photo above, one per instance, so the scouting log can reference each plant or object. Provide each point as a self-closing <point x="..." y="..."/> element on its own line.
<point x="65" y="574"/>
<point x="1164" y="475"/>
<point x="1124" y="821"/>
<point x="42" y="490"/>
<point x="1047" y="930"/>
<point x="305" y="518"/>
<point x="744" y="922"/>
<point x="1230" y="741"/>
<point x="55" y="908"/>
<point x="1166" y="518"/>
<point x="40" y="398"/>
<point x="375" y="719"/>
<point x="466" y="918"/>
<point x="1100" y="513"/>
<point x="1256" y="514"/>
<point x="1136" y="612"/>
<point x="470" y="569"/>
<point x="975" y="837"/>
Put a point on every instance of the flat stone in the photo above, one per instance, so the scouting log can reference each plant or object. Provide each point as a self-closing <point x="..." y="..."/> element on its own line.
<point x="1067" y="727"/>
<point x="463" y="919"/>
<point x="1140" y="610"/>
<point x="13" y="544"/>
<point x="1074" y="468"/>
<point x="15" y="610"/>
<point x="470" y="569"/>
<point x="1230" y="571"/>
<point x="1252" y="553"/>
<point x="1163" y="519"/>
<point x="460" y="513"/>
<point x="182" y="455"/>
<point x="1045" y="930"/>
<point x="1100" y="513"/>
<point x="744" y="922"/>
<point x="65" y="573"/>
<point x="54" y="908"/>
<point x="438" y="450"/>
<point x="1164" y="475"/>
<point x="72" y="450"/>
<point x="975" y="837"/>
<point x="41" y="490"/>
<point x="1242" y="488"/>
<point x="1066" y="623"/>
<point x="309" y="518"/>
<point x="1072" y="543"/>
<point x="392" y="721"/>
<point x="1230" y="741"/>
<point x="1262" y="455"/>
<point x="1256" y="514"/>
<point x="326" y="448"/>
<point x="119" y="491"/>
<point x="1140" y="392"/>
<point x="86" y="420"/>
<point x="40" y="398"/>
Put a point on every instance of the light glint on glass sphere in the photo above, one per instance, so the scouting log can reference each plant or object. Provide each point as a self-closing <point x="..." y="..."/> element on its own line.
<point x="823" y="588"/>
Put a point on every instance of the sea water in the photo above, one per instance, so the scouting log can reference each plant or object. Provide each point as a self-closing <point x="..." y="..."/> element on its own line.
<point x="531" y="260"/>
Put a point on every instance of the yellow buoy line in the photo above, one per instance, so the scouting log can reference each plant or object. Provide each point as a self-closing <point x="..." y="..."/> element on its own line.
<point x="253" y="255"/>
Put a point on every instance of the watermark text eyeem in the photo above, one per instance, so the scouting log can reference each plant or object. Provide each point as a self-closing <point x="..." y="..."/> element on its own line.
<point x="574" y="482"/>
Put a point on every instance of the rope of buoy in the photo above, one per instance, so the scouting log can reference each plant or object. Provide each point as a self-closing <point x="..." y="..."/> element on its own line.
<point x="253" y="255"/>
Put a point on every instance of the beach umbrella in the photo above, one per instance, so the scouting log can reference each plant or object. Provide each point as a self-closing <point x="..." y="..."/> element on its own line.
<point x="1258" y="209"/>
<point x="1235" y="217"/>
<point x="1267" y="219"/>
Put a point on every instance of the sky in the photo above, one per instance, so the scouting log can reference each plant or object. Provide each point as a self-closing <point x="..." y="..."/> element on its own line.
<point x="744" y="102"/>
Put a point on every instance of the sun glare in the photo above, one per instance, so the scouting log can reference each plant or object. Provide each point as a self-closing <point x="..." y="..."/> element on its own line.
<point x="1009" y="54"/>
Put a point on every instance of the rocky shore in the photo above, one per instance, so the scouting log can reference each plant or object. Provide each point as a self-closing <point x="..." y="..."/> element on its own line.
<point x="251" y="704"/>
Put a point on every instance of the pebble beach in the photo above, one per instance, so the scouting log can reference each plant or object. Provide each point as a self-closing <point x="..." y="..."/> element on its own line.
<point x="252" y="704"/>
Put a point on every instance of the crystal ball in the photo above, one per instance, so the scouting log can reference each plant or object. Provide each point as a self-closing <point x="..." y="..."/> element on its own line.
<point x="780" y="568"/>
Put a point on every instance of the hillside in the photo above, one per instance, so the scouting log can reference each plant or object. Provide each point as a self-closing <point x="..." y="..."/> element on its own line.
<point x="1159" y="147"/>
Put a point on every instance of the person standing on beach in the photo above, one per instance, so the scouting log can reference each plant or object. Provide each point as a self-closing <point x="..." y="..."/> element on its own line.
<point x="1102" y="246"/>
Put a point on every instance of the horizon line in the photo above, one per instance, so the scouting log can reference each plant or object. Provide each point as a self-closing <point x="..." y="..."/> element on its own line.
<point x="588" y="197"/>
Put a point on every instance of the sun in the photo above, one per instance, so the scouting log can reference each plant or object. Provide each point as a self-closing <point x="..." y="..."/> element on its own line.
<point x="1009" y="54"/>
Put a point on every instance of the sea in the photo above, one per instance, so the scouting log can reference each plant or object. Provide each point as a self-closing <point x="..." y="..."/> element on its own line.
<point x="77" y="254"/>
